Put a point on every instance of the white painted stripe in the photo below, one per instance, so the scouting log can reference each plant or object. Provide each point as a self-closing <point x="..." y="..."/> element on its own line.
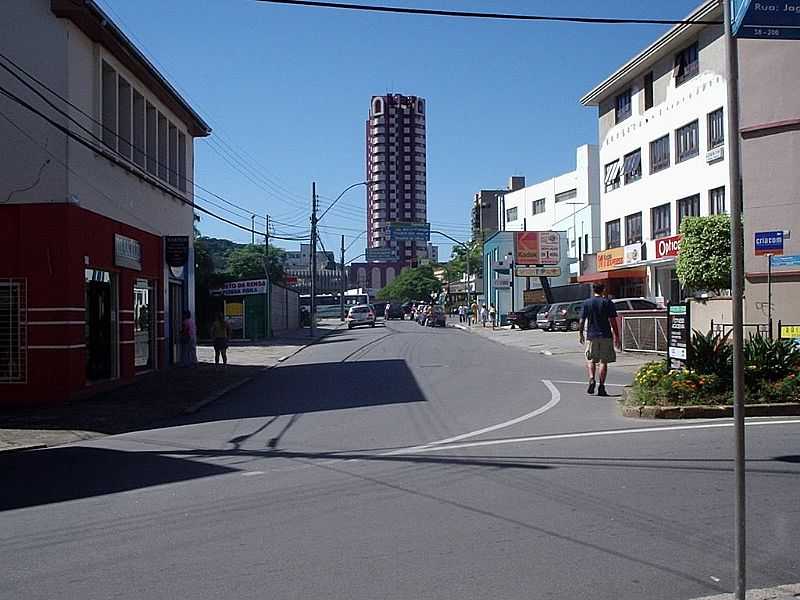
<point x="56" y="322"/>
<point x="127" y="322"/>
<point x="590" y="434"/>
<point x="555" y="398"/>
<point x="128" y="342"/>
<point x="252" y="473"/>
<point x="126" y="310"/>
<point x="57" y="309"/>
<point x="72" y="347"/>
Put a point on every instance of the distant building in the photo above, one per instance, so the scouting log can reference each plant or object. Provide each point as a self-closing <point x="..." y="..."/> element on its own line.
<point x="569" y="202"/>
<point x="396" y="170"/>
<point x="96" y="220"/>
<point x="294" y="259"/>
<point x="432" y="252"/>
<point x="484" y="208"/>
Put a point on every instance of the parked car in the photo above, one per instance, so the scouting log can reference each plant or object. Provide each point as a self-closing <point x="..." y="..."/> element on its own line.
<point x="544" y="318"/>
<point x="525" y="318"/>
<point x="393" y="311"/>
<point x="634" y="304"/>
<point x="361" y="314"/>
<point x="567" y="316"/>
<point x="407" y="309"/>
<point x="437" y="317"/>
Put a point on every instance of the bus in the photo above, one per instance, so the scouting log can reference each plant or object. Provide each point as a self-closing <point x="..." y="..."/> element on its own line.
<point x="328" y="305"/>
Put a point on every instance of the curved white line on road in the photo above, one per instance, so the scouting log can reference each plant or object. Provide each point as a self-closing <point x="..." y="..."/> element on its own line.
<point x="555" y="398"/>
<point x="588" y="434"/>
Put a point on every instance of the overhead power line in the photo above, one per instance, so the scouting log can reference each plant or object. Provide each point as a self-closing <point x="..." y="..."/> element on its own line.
<point x="487" y="15"/>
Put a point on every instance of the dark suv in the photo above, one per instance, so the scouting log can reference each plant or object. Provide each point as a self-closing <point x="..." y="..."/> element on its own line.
<point x="567" y="316"/>
<point x="394" y="311"/>
<point x="526" y="317"/>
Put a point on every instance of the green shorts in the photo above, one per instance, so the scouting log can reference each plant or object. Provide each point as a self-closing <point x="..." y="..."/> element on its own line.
<point x="601" y="350"/>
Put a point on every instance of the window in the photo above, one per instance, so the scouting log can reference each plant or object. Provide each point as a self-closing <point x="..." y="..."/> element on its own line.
<point x="659" y="154"/>
<point x="568" y="195"/>
<point x="162" y="147"/>
<point x="623" y="106"/>
<point x="687" y="64"/>
<point x="632" y="166"/>
<point x="612" y="234"/>
<point x="648" y="91"/>
<point x="716" y="129"/>
<point x="687" y="144"/>
<point x="125" y="117"/>
<point x="716" y="201"/>
<point x="633" y="228"/>
<point x="538" y="206"/>
<point x="173" y="155"/>
<point x="109" y="107"/>
<point x="13" y="343"/>
<point x="660" y="220"/>
<point x="511" y="214"/>
<point x="643" y="305"/>
<point x="688" y="207"/>
<point x="612" y="176"/>
<point x="138" y="129"/>
<point x="152" y="139"/>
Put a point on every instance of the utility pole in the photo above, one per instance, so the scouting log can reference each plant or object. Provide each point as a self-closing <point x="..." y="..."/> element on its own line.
<point x="341" y="286"/>
<point x="313" y="302"/>
<point x="252" y="230"/>
<point x="268" y="298"/>
<point x="737" y="291"/>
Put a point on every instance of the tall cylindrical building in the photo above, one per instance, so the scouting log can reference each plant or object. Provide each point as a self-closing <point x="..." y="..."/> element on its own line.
<point x="396" y="170"/>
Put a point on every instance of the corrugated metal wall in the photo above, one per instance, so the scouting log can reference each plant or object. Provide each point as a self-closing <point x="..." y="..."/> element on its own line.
<point x="285" y="308"/>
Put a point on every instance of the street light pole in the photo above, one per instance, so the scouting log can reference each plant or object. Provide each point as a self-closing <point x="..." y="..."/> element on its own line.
<point x="341" y="285"/>
<point x="737" y="292"/>
<point x="313" y="299"/>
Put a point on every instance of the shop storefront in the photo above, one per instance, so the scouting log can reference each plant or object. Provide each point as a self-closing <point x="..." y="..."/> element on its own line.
<point x="662" y="276"/>
<point x="622" y="270"/>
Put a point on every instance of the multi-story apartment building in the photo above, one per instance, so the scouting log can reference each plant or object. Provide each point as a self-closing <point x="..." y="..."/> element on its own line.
<point x="96" y="217"/>
<point x="569" y="202"/>
<point x="662" y="122"/>
<point x="484" y="208"/>
<point x="396" y="170"/>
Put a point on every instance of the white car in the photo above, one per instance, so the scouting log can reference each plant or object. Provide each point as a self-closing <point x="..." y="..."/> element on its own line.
<point x="360" y="314"/>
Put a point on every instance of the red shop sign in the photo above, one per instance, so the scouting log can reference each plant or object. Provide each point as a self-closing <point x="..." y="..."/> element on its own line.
<point x="668" y="246"/>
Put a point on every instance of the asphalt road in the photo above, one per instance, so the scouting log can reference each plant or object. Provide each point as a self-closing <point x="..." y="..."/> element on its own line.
<point x="402" y="463"/>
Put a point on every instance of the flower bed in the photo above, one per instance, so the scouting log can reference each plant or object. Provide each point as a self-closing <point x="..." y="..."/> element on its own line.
<point x="772" y="375"/>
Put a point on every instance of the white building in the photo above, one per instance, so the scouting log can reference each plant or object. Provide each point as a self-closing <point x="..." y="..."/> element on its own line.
<point x="662" y="153"/>
<point x="569" y="202"/>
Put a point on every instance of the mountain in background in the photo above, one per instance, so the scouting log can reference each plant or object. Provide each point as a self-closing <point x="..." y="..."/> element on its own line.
<point x="218" y="250"/>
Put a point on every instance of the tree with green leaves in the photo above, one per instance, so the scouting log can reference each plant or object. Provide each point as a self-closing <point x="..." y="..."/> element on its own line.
<point x="247" y="262"/>
<point x="458" y="260"/>
<point x="412" y="285"/>
<point x="704" y="260"/>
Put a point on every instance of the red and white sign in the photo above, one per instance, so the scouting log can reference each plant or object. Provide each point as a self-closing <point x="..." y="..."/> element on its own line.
<point x="668" y="246"/>
<point x="535" y="248"/>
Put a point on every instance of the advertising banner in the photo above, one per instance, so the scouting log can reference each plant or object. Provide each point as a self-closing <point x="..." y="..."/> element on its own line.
<point x="610" y="259"/>
<point x="245" y="288"/>
<point x="668" y="246"/>
<point x="536" y="248"/>
<point x="538" y="271"/>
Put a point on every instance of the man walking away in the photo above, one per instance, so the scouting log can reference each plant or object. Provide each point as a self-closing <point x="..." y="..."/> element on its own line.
<point x="599" y="331"/>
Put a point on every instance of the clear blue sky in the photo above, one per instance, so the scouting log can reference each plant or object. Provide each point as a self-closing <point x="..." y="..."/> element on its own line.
<point x="288" y="89"/>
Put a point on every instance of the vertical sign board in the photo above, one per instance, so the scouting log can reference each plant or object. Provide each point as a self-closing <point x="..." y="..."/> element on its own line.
<point x="678" y="332"/>
<point x="537" y="248"/>
<point x="768" y="242"/>
<point x="766" y="19"/>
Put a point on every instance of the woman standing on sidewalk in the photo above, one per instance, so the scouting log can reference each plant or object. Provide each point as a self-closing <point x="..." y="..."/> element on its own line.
<point x="188" y="340"/>
<point x="220" y="333"/>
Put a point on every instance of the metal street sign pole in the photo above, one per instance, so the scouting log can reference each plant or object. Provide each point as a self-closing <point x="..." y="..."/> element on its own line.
<point x="737" y="291"/>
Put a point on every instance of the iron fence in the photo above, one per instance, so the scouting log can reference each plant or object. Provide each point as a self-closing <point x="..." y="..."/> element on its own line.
<point x="13" y="331"/>
<point x="644" y="333"/>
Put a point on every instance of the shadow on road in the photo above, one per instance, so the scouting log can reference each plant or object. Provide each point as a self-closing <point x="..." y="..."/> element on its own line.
<point x="73" y="472"/>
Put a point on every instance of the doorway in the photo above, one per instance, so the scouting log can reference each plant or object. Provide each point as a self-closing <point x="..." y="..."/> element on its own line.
<point x="144" y="310"/>
<point x="175" y="321"/>
<point x="98" y="328"/>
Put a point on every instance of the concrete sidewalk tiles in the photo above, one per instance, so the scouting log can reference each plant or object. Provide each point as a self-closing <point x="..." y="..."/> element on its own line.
<point x="781" y="592"/>
<point x="150" y="399"/>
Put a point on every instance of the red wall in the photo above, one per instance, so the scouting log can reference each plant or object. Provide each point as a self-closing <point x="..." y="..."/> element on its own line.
<point x="47" y="244"/>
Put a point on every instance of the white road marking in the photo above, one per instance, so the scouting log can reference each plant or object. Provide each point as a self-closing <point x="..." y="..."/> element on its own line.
<point x="252" y="473"/>
<point x="588" y="434"/>
<point x="587" y="383"/>
<point x="555" y="398"/>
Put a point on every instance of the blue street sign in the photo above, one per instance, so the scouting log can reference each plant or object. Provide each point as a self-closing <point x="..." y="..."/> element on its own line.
<point x="786" y="261"/>
<point x="768" y="242"/>
<point x="771" y="19"/>
<point x="382" y="254"/>
<point x="402" y="231"/>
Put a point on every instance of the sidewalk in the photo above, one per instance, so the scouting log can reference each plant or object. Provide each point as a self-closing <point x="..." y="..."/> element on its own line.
<point x="152" y="398"/>
<point x="556" y="344"/>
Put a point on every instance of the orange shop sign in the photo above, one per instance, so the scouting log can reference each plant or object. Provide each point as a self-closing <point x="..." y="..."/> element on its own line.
<point x="610" y="259"/>
<point x="537" y="248"/>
